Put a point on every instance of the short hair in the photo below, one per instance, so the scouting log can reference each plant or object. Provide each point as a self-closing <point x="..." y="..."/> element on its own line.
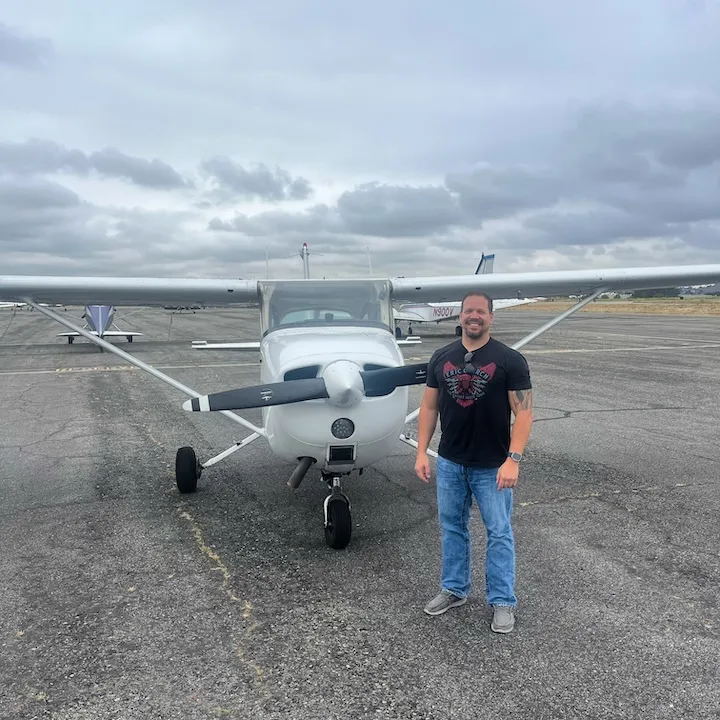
<point x="477" y="293"/>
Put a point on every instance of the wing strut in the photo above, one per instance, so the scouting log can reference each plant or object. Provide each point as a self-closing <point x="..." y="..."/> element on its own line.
<point x="521" y="343"/>
<point x="556" y="320"/>
<point x="140" y="364"/>
<point x="413" y="443"/>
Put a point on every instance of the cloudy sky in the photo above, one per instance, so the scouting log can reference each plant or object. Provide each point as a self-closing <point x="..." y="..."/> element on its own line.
<point x="188" y="138"/>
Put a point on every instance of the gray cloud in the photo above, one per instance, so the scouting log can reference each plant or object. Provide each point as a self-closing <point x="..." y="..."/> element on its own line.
<point x="370" y="209"/>
<point x="147" y="173"/>
<point x="44" y="156"/>
<point x="21" y="50"/>
<point x="43" y="219"/>
<point x="678" y="138"/>
<point x="316" y="219"/>
<point x="594" y="139"/>
<point x="595" y="227"/>
<point x="232" y="182"/>
<point x="492" y="192"/>
<point x="620" y="176"/>
<point x="35" y="194"/>
<point x="393" y="211"/>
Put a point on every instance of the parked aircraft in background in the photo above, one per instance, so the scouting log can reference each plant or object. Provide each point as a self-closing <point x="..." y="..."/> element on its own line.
<point x="99" y="321"/>
<point x="10" y="305"/>
<point x="445" y="311"/>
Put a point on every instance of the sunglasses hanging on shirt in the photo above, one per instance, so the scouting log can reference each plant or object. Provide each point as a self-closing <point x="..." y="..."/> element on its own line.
<point x="469" y="367"/>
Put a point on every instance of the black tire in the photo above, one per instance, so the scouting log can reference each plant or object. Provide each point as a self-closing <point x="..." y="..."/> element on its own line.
<point x="398" y="332"/>
<point x="410" y="330"/>
<point x="458" y="330"/>
<point x="70" y="340"/>
<point x="339" y="527"/>
<point x="186" y="470"/>
<point x="129" y="338"/>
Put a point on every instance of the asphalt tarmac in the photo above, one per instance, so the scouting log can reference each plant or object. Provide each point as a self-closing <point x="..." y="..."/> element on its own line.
<point x="120" y="598"/>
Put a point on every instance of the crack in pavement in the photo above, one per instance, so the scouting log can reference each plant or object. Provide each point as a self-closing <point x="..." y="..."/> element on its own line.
<point x="406" y="491"/>
<point x="569" y="413"/>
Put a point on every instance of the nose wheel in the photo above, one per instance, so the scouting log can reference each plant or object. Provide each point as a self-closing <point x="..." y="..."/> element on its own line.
<point x="338" y="521"/>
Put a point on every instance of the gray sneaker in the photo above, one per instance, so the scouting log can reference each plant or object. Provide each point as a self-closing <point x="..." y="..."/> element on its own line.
<point x="503" y="619"/>
<point x="443" y="602"/>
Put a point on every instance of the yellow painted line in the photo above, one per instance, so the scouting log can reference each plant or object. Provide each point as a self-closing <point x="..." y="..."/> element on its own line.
<point x="554" y="351"/>
<point x="97" y="368"/>
<point x="209" y="365"/>
<point x="648" y="348"/>
<point x="564" y="351"/>
<point x="115" y="368"/>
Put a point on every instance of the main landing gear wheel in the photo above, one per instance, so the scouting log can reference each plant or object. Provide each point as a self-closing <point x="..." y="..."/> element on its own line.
<point x="458" y="330"/>
<point x="187" y="470"/>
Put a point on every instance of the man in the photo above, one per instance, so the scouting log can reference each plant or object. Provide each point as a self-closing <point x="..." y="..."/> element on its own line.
<point x="474" y="384"/>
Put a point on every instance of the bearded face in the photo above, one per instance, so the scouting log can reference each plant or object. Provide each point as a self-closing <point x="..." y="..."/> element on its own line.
<point x="476" y="317"/>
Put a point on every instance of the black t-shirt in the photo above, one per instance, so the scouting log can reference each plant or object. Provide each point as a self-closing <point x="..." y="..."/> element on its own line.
<point x="474" y="407"/>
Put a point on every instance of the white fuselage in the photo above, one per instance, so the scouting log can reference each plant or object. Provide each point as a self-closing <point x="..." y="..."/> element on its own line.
<point x="304" y="429"/>
<point x="437" y="312"/>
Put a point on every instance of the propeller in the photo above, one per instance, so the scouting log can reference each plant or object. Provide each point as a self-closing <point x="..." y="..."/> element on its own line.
<point x="280" y="393"/>
<point x="385" y="380"/>
<point x="345" y="386"/>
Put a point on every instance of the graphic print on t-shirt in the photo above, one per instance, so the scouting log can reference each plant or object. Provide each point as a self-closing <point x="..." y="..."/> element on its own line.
<point x="467" y="387"/>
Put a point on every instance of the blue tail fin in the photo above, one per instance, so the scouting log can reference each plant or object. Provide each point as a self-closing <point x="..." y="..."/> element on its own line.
<point x="485" y="266"/>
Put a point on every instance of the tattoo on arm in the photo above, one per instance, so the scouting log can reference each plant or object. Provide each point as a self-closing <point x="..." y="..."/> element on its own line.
<point x="520" y="400"/>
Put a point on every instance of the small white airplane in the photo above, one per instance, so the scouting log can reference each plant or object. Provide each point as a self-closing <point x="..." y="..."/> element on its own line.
<point x="333" y="383"/>
<point x="10" y="305"/>
<point x="99" y="321"/>
<point x="434" y="312"/>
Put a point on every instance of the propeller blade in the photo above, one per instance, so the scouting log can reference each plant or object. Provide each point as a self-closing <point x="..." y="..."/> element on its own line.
<point x="384" y="381"/>
<point x="281" y="393"/>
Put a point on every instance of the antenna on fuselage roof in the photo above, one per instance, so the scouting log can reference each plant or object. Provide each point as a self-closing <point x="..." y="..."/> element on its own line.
<point x="305" y="255"/>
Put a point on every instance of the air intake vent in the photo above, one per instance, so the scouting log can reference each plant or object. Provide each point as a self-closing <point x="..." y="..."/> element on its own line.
<point x="302" y="373"/>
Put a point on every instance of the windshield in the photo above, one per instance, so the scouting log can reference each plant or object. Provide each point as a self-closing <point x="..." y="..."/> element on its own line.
<point x="295" y="303"/>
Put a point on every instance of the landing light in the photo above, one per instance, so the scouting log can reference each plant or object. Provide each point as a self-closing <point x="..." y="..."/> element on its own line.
<point x="343" y="428"/>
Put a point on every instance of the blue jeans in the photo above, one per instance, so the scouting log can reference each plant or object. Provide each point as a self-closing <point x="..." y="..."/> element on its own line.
<point x="456" y="486"/>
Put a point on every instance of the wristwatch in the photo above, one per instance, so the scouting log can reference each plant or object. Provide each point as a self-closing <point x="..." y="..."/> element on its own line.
<point x="516" y="456"/>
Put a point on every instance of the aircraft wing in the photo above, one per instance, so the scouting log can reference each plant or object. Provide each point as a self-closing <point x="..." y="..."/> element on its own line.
<point x="509" y="302"/>
<point x="107" y="333"/>
<point x="146" y="292"/>
<point x="205" y="345"/>
<point x="549" y="283"/>
<point x="72" y="290"/>
<point x="410" y="315"/>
